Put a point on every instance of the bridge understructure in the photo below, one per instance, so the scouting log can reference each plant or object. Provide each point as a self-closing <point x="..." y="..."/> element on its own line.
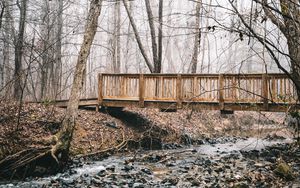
<point x="225" y="92"/>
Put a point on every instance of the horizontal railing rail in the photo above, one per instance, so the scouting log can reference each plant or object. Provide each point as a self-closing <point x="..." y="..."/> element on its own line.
<point x="262" y="89"/>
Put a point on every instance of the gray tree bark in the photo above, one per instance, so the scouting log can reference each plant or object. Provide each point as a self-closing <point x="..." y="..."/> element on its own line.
<point x="57" y="79"/>
<point x="153" y="37"/>
<point x="2" y="10"/>
<point x="19" y="44"/>
<point x="45" y="53"/>
<point x="197" y="39"/>
<point x="116" y="39"/>
<point x="160" y="34"/>
<point x="6" y="51"/>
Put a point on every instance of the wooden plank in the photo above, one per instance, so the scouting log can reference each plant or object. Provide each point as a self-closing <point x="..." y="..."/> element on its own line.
<point x="265" y="92"/>
<point x="195" y="89"/>
<point x="234" y="86"/>
<point x="221" y="91"/>
<point x="161" y="88"/>
<point x="178" y="91"/>
<point x="100" y="92"/>
<point x="141" y="91"/>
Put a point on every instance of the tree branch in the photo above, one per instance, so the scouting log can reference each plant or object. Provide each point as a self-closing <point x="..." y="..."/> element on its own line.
<point x="275" y="20"/>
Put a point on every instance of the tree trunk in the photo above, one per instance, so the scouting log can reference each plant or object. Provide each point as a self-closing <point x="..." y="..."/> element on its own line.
<point x="45" y="39"/>
<point x="2" y="4"/>
<point x="291" y="14"/>
<point x="160" y="34"/>
<point x="153" y="37"/>
<point x="19" y="42"/>
<point x="128" y="45"/>
<point x="197" y="38"/>
<point x="58" y="54"/>
<point x="116" y="39"/>
<point x="64" y="137"/>
<point x="138" y="38"/>
<point x="6" y="51"/>
<point x="289" y="26"/>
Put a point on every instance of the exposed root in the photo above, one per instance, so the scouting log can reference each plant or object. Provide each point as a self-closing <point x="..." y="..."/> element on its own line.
<point x="12" y="164"/>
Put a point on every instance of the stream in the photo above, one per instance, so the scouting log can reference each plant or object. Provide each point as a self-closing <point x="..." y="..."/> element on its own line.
<point x="221" y="162"/>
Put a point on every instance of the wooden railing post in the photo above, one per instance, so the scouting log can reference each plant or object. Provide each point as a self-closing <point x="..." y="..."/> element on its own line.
<point x="221" y="91"/>
<point x="178" y="91"/>
<point x="141" y="91"/>
<point x="195" y="89"/>
<point x="100" y="93"/>
<point x="265" y="90"/>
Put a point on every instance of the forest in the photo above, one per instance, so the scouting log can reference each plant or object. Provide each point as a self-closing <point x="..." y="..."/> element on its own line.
<point x="140" y="93"/>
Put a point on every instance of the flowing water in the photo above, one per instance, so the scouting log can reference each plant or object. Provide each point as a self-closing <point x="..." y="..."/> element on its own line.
<point x="213" y="164"/>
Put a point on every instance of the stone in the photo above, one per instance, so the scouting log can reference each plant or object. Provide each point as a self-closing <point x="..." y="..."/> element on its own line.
<point x="147" y="171"/>
<point x="170" y="164"/>
<point x="138" y="185"/>
<point x="102" y="173"/>
<point x="259" y="165"/>
<point x="149" y="143"/>
<point x="241" y="185"/>
<point x="66" y="181"/>
<point x="111" y="168"/>
<point x="170" y="181"/>
<point x="127" y="168"/>
<point x="284" y="171"/>
<point x="96" y="181"/>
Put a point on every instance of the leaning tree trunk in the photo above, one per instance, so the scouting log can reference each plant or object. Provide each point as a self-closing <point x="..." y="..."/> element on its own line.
<point x="138" y="38"/>
<point x="64" y="137"/>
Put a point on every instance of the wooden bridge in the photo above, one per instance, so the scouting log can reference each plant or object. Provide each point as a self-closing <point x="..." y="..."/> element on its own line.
<point x="226" y="92"/>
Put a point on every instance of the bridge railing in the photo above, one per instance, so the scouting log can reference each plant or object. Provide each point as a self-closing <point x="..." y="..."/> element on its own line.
<point x="206" y="88"/>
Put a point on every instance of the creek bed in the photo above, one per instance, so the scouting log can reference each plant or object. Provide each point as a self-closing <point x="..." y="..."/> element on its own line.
<point x="221" y="162"/>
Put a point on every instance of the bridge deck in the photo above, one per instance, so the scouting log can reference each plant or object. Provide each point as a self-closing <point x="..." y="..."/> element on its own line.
<point x="246" y="92"/>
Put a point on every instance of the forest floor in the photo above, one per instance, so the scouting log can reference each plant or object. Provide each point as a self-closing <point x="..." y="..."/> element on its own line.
<point x="95" y="131"/>
<point x="216" y="159"/>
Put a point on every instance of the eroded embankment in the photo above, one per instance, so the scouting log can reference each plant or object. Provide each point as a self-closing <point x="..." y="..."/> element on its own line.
<point x="139" y="128"/>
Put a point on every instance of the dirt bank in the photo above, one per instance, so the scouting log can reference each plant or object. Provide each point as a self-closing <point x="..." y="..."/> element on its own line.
<point x="100" y="130"/>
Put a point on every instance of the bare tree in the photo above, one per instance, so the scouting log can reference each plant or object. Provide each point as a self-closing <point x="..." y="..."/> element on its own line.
<point x="138" y="38"/>
<point x="197" y="40"/>
<point x="57" y="78"/>
<point x="286" y="18"/>
<point x="116" y="38"/>
<point x="160" y="33"/>
<point x="64" y="137"/>
<point x="2" y="10"/>
<point x="19" y="43"/>
<point x="8" y="34"/>
<point x="154" y="67"/>
<point x="153" y="37"/>
<point x="45" y="52"/>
